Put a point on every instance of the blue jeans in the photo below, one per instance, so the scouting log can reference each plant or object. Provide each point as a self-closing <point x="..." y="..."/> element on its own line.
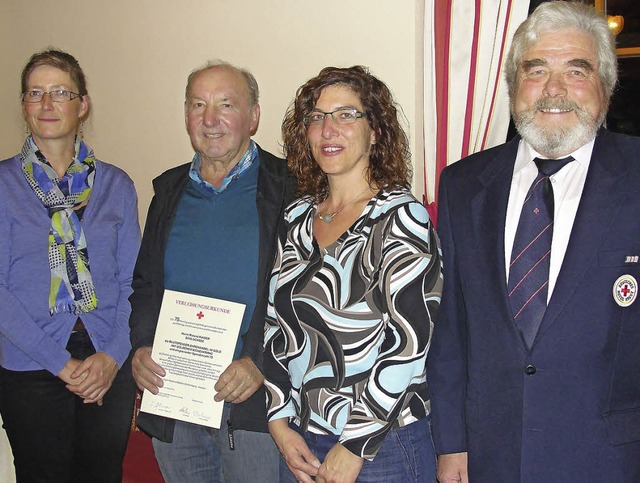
<point x="202" y="454"/>
<point x="406" y="456"/>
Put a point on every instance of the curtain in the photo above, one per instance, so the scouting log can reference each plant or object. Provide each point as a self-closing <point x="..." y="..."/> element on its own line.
<point x="466" y="106"/>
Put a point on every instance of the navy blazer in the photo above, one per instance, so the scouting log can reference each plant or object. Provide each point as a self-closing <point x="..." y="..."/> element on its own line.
<point x="568" y="409"/>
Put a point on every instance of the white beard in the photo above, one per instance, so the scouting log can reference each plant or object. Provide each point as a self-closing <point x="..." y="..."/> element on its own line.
<point x="556" y="141"/>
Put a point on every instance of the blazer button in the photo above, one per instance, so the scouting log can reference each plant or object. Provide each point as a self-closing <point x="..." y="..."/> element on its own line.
<point x="530" y="370"/>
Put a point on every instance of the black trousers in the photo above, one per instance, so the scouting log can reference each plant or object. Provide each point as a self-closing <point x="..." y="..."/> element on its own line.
<point x="54" y="436"/>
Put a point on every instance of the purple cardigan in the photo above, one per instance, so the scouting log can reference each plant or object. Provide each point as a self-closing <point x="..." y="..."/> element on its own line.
<point x="30" y="338"/>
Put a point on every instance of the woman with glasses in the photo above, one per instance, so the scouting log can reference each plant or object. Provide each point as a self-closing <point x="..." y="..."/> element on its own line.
<point x="354" y="293"/>
<point x="70" y="239"/>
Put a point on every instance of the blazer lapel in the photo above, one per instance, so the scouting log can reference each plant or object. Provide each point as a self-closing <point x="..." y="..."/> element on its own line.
<point x="599" y="205"/>
<point x="488" y="214"/>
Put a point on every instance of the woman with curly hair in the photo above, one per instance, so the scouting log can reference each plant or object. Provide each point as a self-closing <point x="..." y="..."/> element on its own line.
<point x="354" y="293"/>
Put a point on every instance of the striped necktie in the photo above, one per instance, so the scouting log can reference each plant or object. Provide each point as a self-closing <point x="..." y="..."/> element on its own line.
<point x="529" y="266"/>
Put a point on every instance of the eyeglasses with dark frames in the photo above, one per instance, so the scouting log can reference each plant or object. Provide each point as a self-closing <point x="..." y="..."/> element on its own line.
<point x="344" y="115"/>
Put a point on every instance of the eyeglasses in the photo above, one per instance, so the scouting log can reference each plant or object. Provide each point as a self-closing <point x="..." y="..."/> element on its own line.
<point x="59" y="95"/>
<point x="339" y="116"/>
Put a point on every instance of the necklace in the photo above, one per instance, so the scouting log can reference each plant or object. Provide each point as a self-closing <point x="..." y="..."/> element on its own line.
<point x="328" y="218"/>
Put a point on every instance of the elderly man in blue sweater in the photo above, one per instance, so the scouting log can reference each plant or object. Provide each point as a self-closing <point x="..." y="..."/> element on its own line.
<point x="210" y="231"/>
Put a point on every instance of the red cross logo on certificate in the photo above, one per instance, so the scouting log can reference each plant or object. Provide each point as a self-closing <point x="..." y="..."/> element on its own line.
<point x="200" y="315"/>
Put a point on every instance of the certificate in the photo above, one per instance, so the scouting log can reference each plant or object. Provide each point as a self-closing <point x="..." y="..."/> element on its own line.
<point x="194" y="343"/>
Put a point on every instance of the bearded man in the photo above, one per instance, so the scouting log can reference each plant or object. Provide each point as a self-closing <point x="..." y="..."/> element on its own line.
<point x="534" y="367"/>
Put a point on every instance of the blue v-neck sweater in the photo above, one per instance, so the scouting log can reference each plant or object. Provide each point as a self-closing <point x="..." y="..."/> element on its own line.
<point x="217" y="255"/>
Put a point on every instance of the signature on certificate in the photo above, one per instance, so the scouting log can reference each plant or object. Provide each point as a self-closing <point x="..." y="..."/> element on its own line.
<point x="201" y="415"/>
<point x="157" y="405"/>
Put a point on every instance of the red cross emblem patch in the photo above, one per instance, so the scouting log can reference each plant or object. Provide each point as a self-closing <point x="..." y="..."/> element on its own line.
<point x="625" y="290"/>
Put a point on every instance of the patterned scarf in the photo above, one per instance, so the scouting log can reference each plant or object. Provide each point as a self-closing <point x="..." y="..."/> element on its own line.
<point x="71" y="287"/>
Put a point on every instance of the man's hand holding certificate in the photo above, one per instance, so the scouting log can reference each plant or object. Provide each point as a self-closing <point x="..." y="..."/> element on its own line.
<point x="193" y="348"/>
<point x="239" y="381"/>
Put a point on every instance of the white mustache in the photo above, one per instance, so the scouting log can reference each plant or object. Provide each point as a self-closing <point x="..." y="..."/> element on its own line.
<point x="561" y="104"/>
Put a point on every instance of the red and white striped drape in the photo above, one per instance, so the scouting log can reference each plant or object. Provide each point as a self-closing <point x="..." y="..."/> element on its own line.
<point x="466" y="107"/>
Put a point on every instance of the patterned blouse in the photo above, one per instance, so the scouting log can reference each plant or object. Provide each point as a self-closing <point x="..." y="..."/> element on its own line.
<point x="348" y="326"/>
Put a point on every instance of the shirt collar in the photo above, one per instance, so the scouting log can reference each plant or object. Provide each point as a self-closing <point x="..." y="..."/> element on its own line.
<point x="526" y="155"/>
<point x="246" y="161"/>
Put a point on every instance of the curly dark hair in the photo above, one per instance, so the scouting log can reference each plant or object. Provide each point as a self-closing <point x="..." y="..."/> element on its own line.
<point x="390" y="158"/>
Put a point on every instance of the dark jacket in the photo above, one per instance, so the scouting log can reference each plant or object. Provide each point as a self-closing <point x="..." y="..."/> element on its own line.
<point x="568" y="407"/>
<point x="275" y="191"/>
